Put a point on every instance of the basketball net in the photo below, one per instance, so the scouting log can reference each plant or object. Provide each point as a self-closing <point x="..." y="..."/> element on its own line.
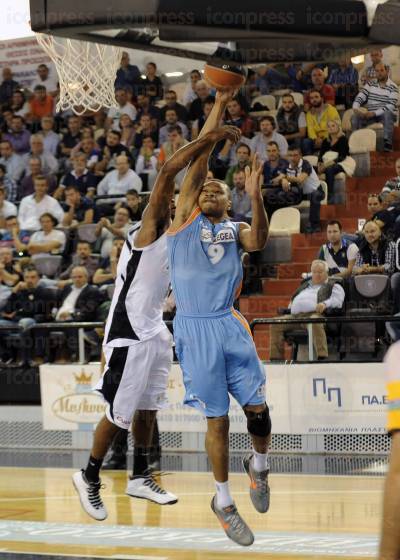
<point x="86" y="72"/>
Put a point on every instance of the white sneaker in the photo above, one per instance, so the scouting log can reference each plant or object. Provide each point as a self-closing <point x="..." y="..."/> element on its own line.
<point x="147" y="488"/>
<point x="89" y="495"/>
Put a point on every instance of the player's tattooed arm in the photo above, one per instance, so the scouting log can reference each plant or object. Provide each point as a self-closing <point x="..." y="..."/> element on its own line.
<point x="254" y="237"/>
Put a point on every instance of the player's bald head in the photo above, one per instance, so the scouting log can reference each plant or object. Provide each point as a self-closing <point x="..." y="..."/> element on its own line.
<point x="220" y="184"/>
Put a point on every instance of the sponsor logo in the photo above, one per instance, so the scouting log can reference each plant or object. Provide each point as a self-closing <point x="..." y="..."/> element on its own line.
<point x="332" y="394"/>
<point x="225" y="235"/>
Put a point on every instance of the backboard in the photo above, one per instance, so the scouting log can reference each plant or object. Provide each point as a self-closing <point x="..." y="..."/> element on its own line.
<point x="251" y="32"/>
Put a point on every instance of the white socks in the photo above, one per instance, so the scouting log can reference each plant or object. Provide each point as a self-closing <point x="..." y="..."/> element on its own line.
<point x="224" y="497"/>
<point x="259" y="461"/>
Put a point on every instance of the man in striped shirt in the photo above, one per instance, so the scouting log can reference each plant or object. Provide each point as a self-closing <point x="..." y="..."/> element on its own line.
<point x="377" y="102"/>
<point x="390" y="540"/>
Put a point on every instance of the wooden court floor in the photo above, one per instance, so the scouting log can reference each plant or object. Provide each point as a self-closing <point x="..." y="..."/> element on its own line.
<point x="311" y="516"/>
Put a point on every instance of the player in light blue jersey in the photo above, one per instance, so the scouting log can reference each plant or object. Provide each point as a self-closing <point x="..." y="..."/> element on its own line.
<point x="213" y="341"/>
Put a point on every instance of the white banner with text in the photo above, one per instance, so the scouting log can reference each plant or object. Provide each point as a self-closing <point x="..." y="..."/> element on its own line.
<point x="303" y="399"/>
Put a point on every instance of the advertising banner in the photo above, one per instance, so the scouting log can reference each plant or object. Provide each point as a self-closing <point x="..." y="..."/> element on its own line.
<point x="23" y="56"/>
<point x="303" y="399"/>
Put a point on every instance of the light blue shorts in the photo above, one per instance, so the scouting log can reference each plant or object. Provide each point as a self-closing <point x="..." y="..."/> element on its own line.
<point x="218" y="357"/>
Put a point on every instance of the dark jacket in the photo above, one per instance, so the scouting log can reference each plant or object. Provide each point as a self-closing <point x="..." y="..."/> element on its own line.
<point x="87" y="303"/>
<point x="324" y="292"/>
<point x="36" y="304"/>
<point x="341" y="147"/>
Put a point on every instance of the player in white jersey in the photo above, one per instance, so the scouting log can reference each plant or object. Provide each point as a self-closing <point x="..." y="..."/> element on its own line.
<point x="137" y="343"/>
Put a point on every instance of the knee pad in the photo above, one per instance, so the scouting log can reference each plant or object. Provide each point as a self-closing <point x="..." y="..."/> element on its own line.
<point x="259" y="423"/>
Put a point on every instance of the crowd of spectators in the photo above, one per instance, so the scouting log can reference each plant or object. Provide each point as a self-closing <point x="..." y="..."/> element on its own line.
<point x="71" y="187"/>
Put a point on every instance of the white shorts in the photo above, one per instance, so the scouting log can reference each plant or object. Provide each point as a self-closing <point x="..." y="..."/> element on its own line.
<point x="136" y="378"/>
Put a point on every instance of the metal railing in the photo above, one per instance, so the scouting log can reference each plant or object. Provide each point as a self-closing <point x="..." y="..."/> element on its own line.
<point x="325" y="320"/>
<point x="65" y="325"/>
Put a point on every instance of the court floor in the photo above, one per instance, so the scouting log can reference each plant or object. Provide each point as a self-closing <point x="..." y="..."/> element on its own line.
<point x="312" y="516"/>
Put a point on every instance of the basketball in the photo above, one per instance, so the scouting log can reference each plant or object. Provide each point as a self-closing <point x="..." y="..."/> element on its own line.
<point x="224" y="76"/>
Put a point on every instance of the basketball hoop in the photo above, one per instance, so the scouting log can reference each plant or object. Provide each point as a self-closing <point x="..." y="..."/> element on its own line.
<point x="86" y="72"/>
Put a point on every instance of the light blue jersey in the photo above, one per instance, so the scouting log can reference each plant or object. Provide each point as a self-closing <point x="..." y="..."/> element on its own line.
<point x="206" y="270"/>
<point x="213" y="341"/>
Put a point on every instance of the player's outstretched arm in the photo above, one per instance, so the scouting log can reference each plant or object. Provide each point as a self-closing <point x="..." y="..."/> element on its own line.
<point x="156" y="215"/>
<point x="197" y="172"/>
<point x="254" y="237"/>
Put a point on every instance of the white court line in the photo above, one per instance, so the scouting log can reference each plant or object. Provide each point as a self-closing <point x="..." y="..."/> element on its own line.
<point x="80" y="555"/>
<point x="276" y="493"/>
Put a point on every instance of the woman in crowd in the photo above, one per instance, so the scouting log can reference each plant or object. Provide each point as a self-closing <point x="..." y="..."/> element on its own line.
<point x="334" y="150"/>
<point x="46" y="241"/>
<point x="128" y="131"/>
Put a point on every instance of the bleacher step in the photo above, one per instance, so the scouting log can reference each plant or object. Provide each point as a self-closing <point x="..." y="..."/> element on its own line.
<point x="280" y="287"/>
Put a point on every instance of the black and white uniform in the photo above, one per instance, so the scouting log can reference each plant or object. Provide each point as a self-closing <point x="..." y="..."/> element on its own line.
<point x="137" y="344"/>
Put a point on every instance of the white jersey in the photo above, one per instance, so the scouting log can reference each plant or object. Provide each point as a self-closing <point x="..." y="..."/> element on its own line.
<point x="141" y="286"/>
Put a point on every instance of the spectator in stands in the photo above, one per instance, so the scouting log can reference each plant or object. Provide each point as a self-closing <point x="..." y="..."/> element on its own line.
<point x="124" y="108"/>
<point x="120" y="180"/>
<point x="48" y="161"/>
<point x="45" y="79"/>
<point x="82" y="257"/>
<point x="241" y="202"/>
<point x="377" y="102"/>
<point x="243" y="157"/>
<point x="10" y="275"/>
<point x="171" y="102"/>
<point x="29" y="303"/>
<point x="19" y="105"/>
<point x="107" y="231"/>
<point x="198" y="124"/>
<point x="190" y="94"/>
<point x="196" y="107"/>
<point x="79" y="177"/>
<point x="374" y="204"/>
<point x="51" y="140"/>
<point x="47" y="241"/>
<point x="326" y="91"/>
<point x="268" y="134"/>
<point x="70" y="138"/>
<point x="111" y="148"/>
<point x="333" y="151"/>
<point x="268" y="80"/>
<point x="6" y="117"/>
<point x="77" y="301"/>
<point x="274" y="166"/>
<point x="291" y="121"/>
<point x="370" y="74"/>
<point x="40" y="105"/>
<point x="80" y="209"/>
<point x="393" y="184"/>
<point x="7" y="87"/>
<point x="107" y="272"/>
<point x="27" y="183"/>
<point x="146" y="108"/>
<point x="133" y="204"/>
<point x="8" y="185"/>
<point x="145" y="129"/>
<point x="13" y="163"/>
<point x="376" y="254"/>
<point x="317" y="120"/>
<point x="147" y="163"/>
<point x="312" y="299"/>
<point x="152" y="83"/>
<point x="128" y="131"/>
<point x="128" y="75"/>
<point x="7" y="234"/>
<point x="387" y="217"/>
<point x="300" y="177"/>
<point x="344" y="81"/>
<point x="34" y="205"/>
<point x="236" y="116"/>
<point x="174" y="142"/>
<point x="171" y="119"/>
<point x="339" y="253"/>
<point x="91" y="150"/>
<point x="19" y="136"/>
<point x="7" y="208"/>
